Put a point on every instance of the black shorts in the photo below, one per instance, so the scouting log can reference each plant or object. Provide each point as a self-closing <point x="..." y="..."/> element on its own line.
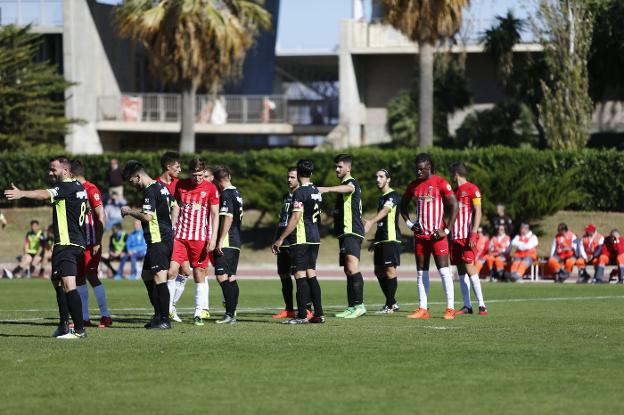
<point x="349" y="245"/>
<point x="158" y="257"/>
<point x="227" y="264"/>
<point x="65" y="259"/>
<point x="387" y="254"/>
<point x="283" y="262"/>
<point x="303" y="256"/>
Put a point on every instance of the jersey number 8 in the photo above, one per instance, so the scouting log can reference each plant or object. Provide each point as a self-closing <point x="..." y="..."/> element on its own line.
<point x="83" y="212"/>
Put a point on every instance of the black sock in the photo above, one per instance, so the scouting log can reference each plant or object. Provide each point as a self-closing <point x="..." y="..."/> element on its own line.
<point x="358" y="288"/>
<point x="315" y="294"/>
<point x="151" y="291"/>
<point x="162" y="293"/>
<point x="61" y="300"/>
<point x="226" y="288"/>
<point x="17" y="269"/>
<point x="233" y="301"/>
<point x="383" y="283"/>
<point x="391" y="285"/>
<point x="287" y="293"/>
<point x="74" y="303"/>
<point x="350" y="297"/>
<point x="303" y="297"/>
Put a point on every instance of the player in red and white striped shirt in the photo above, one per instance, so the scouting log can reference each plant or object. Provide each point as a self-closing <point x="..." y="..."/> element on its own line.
<point x="465" y="236"/>
<point x="432" y="195"/>
<point x="94" y="221"/>
<point x="195" y="216"/>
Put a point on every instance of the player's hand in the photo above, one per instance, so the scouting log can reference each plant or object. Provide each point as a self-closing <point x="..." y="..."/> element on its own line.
<point x="212" y="244"/>
<point x="367" y="225"/>
<point x="438" y="234"/>
<point x="416" y="229"/>
<point x="219" y="249"/>
<point x="371" y="246"/>
<point x="276" y="246"/>
<point x="472" y="243"/>
<point x="96" y="249"/>
<point x="125" y="210"/>
<point x="13" y="193"/>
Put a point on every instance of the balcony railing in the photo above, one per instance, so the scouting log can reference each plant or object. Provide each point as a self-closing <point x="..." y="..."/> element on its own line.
<point x="36" y="12"/>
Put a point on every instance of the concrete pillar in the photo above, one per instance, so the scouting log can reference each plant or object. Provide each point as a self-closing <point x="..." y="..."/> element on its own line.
<point x="350" y="102"/>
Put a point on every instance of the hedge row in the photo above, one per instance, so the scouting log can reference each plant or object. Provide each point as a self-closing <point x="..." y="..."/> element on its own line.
<point x="531" y="183"/>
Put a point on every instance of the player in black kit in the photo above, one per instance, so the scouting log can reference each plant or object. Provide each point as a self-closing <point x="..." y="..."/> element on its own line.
<point x="156" y="220"/>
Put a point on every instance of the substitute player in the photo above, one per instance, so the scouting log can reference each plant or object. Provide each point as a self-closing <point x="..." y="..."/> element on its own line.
<point x="465" y="236"/>
<point x="227" y="251"/>
<point x="156" y="220"/>
<point x="525" y="253"/>
<point x="195" y="213"/>
<point x="498" y="253"/>
<point x="589" y="248"/>
<point x="432" y="196"/>
<point x="70" y="207"/>
<point x="349" y="229"/>
<point x="284" y="268"/>
<point x="387" y="246"/>
<point x="563" y="253"/>
<point x="612" y="252"/>
<point x="303" y="236"/>
<point x="94" y="223"/>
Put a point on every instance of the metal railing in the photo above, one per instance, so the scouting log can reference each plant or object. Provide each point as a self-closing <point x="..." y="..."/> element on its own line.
<point x="35" y="12"/>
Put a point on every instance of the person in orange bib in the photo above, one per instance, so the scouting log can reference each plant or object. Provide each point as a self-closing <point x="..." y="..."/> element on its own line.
<point x="481" y="249"/>
<point x="563" y="253"/>
<point x="498" y="253"/>
<point x="525" y="245"/>
<point x="589" y="248"/>
<point x="612" y="251"/>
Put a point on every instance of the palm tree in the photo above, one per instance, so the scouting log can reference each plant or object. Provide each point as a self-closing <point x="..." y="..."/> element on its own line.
<point x="425" y="22"/>
<point x="499" y="41"/>
<point x="193" y="43"/>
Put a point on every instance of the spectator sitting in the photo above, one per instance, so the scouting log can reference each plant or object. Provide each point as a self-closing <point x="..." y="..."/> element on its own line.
<point x="481" y="249"/>
<point x="612" y="252"/>
<point x="525" y="244"/>
<point x="31" y="256"/>
<point x="115" y="180"/>
<point x="135" y="250"/>
<point x="113" y="210"/>
<point x="46" y="256"/>
<point x="589" y="248"/>
<point x="563" y="252"/>
<point x="500" y="245"/>
<point x="501" y="219"/>
<point x="116" y="249"/>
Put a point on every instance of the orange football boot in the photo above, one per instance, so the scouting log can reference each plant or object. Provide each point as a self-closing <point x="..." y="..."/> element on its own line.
<point x="449" y="314"/>
<point x="420" y="313"/>
<point x="284" y="314"/>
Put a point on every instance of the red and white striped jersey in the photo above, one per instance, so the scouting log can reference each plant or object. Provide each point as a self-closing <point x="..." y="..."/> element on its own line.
<point x="195" y="201"/>
<point x="95" y="199"/>
<point x="468" y="196"/>
<point x="428" y="196"/>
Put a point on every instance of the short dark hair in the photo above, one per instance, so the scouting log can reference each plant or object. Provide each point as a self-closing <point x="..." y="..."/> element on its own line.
<point x="77" y="169"/>
<point x="425" y="158"/>
<point x="64" y="160"/>
<point x="292" y="168"/>
<point x="345" y="158"/>
<point x="117" y="225"/>
<point x="197" y="164"/>
<point x="563" y="226"/>
<point x="170" y="157"/>
<point x="386" y="172"/>
<point x="131" y="168"/>
<point x="460" y="169"/>
<point x="305" y="168"/>
<point x="222" y="172"/>
<point x="32" y="222"/>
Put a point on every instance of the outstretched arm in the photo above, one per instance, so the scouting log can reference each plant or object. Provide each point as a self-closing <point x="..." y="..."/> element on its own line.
<point x="380" y="215"/>
<point x="15" y="194"/>
<point x="135" y="213"/>
<point x="290" y="227"/>
<point x="343" y="188"/>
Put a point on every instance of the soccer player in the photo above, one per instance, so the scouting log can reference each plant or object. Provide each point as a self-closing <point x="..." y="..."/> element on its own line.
<point x="525" y="244"/>
<point x="195" y="213"/>
<point x="228" y="246"/>
<point x="612" y="251"/>
<point x="284" y="268"/>
<point x="303" y="237"/>
<point x="170" y="164"/>
<point x="94" y="223"/>
<point x="70" y="207"/>
<point x="563" y="250"/>
<point x="156" y="220"/>
<point x="590" y="247"/>
<point x="349" y="229"/>
<point x="465" y="236"/>
<point x="387" y="245"/>
<point x="432" y="196"/>
<point x="32" y="252"/>
<point x="498" y="252"/>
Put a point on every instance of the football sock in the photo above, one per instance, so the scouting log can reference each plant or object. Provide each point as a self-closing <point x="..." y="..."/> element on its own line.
<point x="180" y="283"/>
<point x="206" y="295"/>
<point x="476" y="287"/>
<point x="162" y="293"/>
<point x="423" y="288"/>
<point x="464" y="285"/>
<point x="100" y="296"/>
<point x="599" y="273"/>
<point x="315" y="294"/>
<point x="225" y="287"/>
<point x="621" y="274"/>
<point x="287" y="292"/>
<point x="303" y="297"/>
<point x="75" y="310"/>
<point x="200" y="297"/>
<point x="358" y="289"/>
<point x="350" y="296"/>
<point x="233" y="303"/>
<point x="61" y="300"/>
<point x="150" y="287"/>
<point x="83" y="291"/>
<point x="447" y="283"/>
<point x="171" y="286"/>
<point x="391" y="286"/>
<point x="17" y="269"/>
<point x="383" y="284"/>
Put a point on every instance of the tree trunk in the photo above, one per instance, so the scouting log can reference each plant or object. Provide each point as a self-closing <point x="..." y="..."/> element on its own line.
<point x="425" y="101"/>
<point x="187" y="130"/>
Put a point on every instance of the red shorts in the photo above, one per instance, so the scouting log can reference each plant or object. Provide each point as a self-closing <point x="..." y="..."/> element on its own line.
<point x="424" y="247"/>
<point x="462" y="252"/>
<point x="192" y="251"/>
<point x="90" y="263"/>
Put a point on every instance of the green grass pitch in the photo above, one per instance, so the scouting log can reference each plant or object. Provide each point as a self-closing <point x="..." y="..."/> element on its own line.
<point x="544" y="348"/>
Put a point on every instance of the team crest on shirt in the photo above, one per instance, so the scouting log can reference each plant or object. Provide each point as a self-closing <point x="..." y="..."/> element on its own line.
<point x="96" y="197"/>
<point x="203" y="194"/>
<point x="477" y="194"/>
<point x="463" y="194"/>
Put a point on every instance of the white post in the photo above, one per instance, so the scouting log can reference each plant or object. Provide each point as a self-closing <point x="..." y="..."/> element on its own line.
<point x="357" y="9"/>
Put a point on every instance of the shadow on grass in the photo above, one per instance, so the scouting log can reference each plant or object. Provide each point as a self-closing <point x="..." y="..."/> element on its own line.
<point x="26" y="336"/>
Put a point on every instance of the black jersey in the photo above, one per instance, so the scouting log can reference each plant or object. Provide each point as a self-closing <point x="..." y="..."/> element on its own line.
<point x="157" y="202"/>
<point x="70" y="207"/>
<point x="284" y="215"/>
<point x="388" y="227"/>
<point x="348" y="219"/>
<point x="231" y="204"/>
<point x="306" y="199"/>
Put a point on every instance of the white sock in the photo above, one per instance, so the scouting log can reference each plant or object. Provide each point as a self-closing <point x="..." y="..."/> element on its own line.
<point x="423" y="288"/>
<point x="84" y="297"/>
<point x="180" y="283"/>
<point x="476" y="287"/>
<point x="100" y="296"/>
<point x="464" y="284"/>
<point x="172" y="288"/>
<point x="447" y="284"/>
<point x="207" y="299"/>
<point x="200" y="297"/>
